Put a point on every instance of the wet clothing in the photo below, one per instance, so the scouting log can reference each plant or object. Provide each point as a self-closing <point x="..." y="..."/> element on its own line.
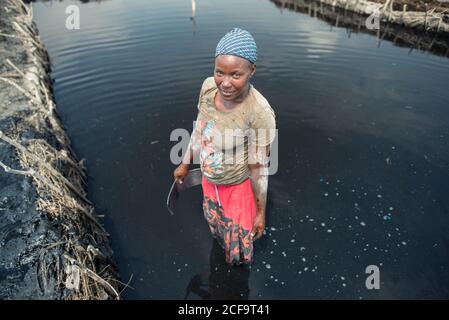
<point x="227" y="136"/>
<point x="230" y="212"/>
<point x="229" y="204"/>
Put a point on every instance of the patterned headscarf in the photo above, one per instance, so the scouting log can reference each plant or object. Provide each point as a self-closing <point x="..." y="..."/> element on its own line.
<point x="239" y="43"/>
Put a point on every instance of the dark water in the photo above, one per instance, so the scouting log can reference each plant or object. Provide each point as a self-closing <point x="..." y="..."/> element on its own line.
<point x="363" y="149"/>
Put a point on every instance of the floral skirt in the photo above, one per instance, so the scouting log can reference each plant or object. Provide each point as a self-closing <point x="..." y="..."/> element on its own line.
<point x="230" y="211"/>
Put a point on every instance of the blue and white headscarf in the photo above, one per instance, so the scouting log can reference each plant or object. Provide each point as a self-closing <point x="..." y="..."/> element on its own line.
<point x="238" y="42"/>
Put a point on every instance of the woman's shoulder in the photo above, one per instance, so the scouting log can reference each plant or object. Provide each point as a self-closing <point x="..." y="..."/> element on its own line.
<point x="207" y="86"/>
<point x="262" y="118"/>
<point x="260" y="103"/>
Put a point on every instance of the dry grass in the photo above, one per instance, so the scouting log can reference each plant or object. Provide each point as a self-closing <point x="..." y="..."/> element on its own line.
<point x="81" y="267"/>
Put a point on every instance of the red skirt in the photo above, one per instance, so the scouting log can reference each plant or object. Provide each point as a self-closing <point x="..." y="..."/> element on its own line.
<point x="230" y="211"/>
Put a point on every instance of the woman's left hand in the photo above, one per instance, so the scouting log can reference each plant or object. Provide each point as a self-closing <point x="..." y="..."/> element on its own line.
<point x="259" y="227"/>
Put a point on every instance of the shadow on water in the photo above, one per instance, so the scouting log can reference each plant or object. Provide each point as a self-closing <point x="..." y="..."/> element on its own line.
<point x="223" y="281"/>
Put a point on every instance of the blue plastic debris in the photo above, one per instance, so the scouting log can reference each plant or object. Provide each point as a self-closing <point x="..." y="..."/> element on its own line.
<point x="387" y="216"/>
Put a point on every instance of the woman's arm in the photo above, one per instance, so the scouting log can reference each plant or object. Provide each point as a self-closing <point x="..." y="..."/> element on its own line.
<point x="259" y="183"/>
<point x="195" y="139"/>
<point x="194" y="144"/>
<point x="192" y="152"/>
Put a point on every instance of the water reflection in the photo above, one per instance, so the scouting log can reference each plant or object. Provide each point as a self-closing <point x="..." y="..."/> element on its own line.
<point x="223" y="281"/>
<point x="363" y="148"/>
<point x="402" y="37"/>
<point x="192" y="17"/>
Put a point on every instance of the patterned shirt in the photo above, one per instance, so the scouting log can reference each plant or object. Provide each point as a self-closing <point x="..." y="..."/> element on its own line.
<point x="225" y="137"/>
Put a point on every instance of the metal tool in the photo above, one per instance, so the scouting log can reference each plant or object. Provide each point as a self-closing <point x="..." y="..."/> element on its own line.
<point x="193" y="178"/>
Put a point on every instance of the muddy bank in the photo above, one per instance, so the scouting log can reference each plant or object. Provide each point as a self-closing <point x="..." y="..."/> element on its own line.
<point x="52" y="245"/>
<point x="433" y="20"/>
<point x="418" y="5"/>
<point x="437" y="43"/>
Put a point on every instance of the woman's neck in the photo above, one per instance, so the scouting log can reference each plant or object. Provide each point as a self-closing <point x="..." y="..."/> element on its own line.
<point x="229" y="105"/>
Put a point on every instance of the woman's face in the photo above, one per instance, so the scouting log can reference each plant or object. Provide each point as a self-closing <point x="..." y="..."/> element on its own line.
<point x="232" y="75"/>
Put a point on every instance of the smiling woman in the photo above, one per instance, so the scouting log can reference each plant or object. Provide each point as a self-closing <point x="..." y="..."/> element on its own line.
<point x="231" y="76"/>
<point x="230" y="109"/>
<point x="363" y="171"/>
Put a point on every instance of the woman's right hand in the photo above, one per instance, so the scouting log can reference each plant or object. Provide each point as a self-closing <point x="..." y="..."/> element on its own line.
<point x="181" y="172"/>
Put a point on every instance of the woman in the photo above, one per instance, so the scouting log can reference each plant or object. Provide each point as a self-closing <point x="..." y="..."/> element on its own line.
<point x="232" y="136"/>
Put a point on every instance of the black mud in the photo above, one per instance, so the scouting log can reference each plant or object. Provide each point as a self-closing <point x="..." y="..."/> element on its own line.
<point x="36" y="246"/>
